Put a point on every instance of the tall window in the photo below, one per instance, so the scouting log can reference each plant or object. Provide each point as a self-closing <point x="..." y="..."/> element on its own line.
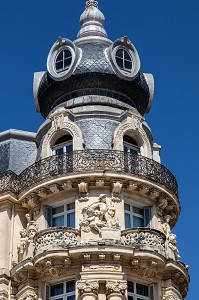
<point x="59" y="216"/>
<point x="63" y="145"/>
<point x="130" y="145"/>
<point x="63" y="61"/>
<point x="137" y="217"/>
<point x="137" y="291"/>
<point x="62" y="291"/>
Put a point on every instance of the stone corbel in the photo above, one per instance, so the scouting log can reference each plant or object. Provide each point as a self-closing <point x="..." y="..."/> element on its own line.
<point x="132" y="186"/>
<point x="154" y="194"/>
<point x="88" y="287"/>
<point x="67" y="185"/>
<point x="116" y="190"/>
<point x="99" y="183"/>
<point x="55" y="188"/>
<point x="83" y="191"/>
<point x="116" y="287"/>
<point x="144" y="189"/>
<point x="43" y="192"/>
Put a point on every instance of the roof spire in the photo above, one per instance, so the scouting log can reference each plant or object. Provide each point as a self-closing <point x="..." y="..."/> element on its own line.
<point x="91" y="3"/>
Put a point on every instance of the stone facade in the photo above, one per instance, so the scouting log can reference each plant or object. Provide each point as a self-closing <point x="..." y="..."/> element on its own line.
<point x="86" y="209"/>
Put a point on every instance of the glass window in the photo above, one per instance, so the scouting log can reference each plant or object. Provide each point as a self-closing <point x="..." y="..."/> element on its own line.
<point x="64" y="215"/>
<point x="137" y="291"/>
<point x="130" y="145"/>
<point x="63" y="145"/>
<point x="134" y="216"/>
<point x="124" y="60"/>
<point x="63" y="291"/>
<point x="63" y="61"/>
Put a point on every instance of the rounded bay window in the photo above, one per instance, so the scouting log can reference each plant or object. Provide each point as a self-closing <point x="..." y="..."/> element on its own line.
<point x="62" y="59"/>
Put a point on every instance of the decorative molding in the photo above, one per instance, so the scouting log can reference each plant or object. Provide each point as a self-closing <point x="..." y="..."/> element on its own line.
<point x="99" y="183"/>
<point x="99" y="215"/>
<point x="83" y="191"/>
<point x="116" y="286"/>
<point x="147" y="269"/>
<point x="87" y="286"/>
<point x="116" y="190"/>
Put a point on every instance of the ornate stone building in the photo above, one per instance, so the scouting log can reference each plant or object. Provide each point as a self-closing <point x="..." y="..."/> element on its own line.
<point x="86" y="208"/>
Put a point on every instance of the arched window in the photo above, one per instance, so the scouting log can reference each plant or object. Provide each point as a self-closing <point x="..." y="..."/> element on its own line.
<point x="130" y="145"/>
<point x="63" y="61"/>
<point x="64" y="144"/>
<point x="124" y="60"/>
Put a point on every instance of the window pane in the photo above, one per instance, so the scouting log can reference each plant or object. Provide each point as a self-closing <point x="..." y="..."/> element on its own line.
<point x="59" y="151"/>
<point x="130" y="287"/>
<point x="138" y="211"/>
<point x="71" y="297"/>
<point x="142" y="290"/>
<point x="130" y="298"/>
<point x="119" y="62"/>
<point x="71" y="220"/>
<point x="59" y="66"/>
<point x="57" y="289"/>
<point x="127" y="221"/>
<point x="67" y="63"/>
<point x="58" y="210"/>
<point x="71" y="206"/>
<point x="127" y="207"/>
<point x="67" y="54"/>
<point x="69" y="148"/>
<point x="59" y="56"/>
<point x="119" y="53"/>
<point x="70" y="286"/>
<point x="58" y="221"/>
<point x="138" y="222"/>
<point x="127" y="56"/>
<point x="128" y="65"/>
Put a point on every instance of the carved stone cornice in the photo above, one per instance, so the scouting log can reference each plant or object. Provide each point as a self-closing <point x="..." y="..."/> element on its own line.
<point x="88" y="286"/>
<point x="116" y="286"/>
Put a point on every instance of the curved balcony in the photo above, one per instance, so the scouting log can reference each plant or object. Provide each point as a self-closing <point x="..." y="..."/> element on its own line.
<point x="144" y="239"/>
<point x="55" y="238"/>
<point x="92" y="160"/>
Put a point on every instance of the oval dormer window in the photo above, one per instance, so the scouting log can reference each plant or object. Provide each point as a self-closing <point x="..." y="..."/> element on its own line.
<point x="63" y="61"/>
<point x="124" y="60"/>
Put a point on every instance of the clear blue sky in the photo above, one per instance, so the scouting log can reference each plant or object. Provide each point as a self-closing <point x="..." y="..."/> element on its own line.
<point x="165" y="34"/>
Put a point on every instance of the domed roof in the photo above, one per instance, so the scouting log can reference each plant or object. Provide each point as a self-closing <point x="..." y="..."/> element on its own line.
<point x="91" y="65"/>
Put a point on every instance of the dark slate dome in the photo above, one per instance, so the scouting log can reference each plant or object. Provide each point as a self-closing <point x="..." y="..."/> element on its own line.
<point x="89" y="67"/>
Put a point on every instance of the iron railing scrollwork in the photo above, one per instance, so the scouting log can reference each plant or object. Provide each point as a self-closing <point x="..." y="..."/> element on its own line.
<point x="86" y="161"/>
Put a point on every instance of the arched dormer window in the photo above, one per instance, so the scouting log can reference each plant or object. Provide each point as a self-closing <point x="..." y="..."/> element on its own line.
<point x="130" y="145"/>
<point x="64" y="144"/>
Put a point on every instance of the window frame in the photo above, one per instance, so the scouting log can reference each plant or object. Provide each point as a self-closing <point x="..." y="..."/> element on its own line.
<point x="62" y="146"/>
<point x="135" y="295"/>
<point x="66" y="294"/>
<point x="146" y="217"/>
<point x="63" y="60"/>
<point x="49" y="214"/>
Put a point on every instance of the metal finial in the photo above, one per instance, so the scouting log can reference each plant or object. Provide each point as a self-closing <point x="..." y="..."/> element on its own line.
<point x="91" y="3"/>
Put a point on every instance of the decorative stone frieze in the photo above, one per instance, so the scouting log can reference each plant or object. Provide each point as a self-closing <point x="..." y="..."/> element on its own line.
<point x="55" y="188"/>
<point x="146" y="269"/>
<point x="116" y="190"/>
<point x="67" y="185"/>
<point x="132" y="186"/>
<point x="43" y="192"/>
<point x="83" y="191"/>
<point x="87" y="286"/>
<point x="99" y="215"/>
<point x="116" y="286"/>
<point x="144" y="189"/>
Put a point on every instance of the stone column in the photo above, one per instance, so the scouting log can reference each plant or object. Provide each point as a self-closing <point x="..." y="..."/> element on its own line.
<point x="88" y="289"/>
<point x="116" y="289"/>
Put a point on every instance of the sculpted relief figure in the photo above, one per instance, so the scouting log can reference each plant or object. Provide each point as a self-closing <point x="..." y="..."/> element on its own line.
<point x="170" y="237"/>
<point x="98" y="215"/>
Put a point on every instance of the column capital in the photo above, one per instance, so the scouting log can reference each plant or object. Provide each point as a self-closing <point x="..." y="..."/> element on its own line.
<point x="116" y="286"/>
<point x="88" y="286"/>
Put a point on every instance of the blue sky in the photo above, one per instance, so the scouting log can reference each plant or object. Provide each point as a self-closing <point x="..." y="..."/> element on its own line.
<point x="165" y="34"/>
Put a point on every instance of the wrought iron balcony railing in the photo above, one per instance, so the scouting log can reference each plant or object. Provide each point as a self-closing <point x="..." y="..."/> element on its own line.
<point x="87" y="161"/>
